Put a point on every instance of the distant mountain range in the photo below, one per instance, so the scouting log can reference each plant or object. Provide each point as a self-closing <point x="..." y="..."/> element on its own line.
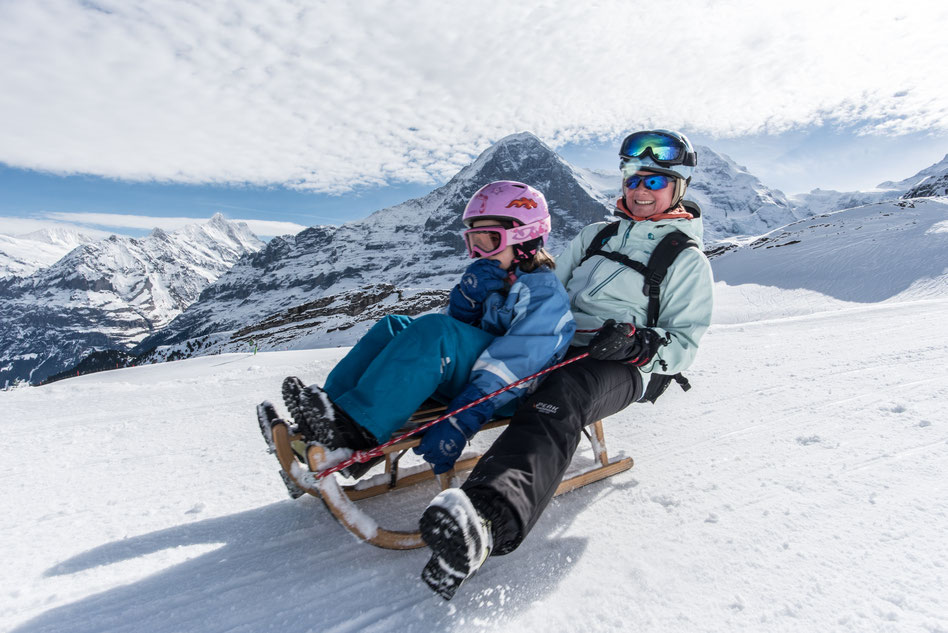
<point x="23" y="255"/>
<point x="110" y="294"/>
<point x="327" y="284"/>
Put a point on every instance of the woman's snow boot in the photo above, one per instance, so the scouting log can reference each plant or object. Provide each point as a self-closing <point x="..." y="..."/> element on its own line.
<point x="459" y="538"/>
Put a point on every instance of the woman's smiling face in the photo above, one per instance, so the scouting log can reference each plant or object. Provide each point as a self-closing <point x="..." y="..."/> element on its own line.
<point x="644" y="202"/>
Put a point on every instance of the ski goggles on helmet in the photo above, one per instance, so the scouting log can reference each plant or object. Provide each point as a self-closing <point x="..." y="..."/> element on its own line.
<point x="484" y="241"/>
<point x="664" y="149"/>
<point x="652" y="182"/>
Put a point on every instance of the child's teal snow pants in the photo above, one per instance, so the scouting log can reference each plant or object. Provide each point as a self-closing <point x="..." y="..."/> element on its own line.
<point x="401" y="362"/>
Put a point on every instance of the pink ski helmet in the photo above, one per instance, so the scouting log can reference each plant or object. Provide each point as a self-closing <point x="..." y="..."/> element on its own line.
<point x="512" y="202"/>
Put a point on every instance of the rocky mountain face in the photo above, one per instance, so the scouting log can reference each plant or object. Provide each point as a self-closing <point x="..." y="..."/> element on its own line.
<point x="338" y="319"/>
<point x="23" y="255"/>
<point x="110" y="294"/>
<point x="734" y="201"/>
<point x="416" y="244"/>
<point x="937" y="185"/>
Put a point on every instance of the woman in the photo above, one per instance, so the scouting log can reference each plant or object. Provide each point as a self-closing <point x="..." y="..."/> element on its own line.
<point x="512" y="484"/>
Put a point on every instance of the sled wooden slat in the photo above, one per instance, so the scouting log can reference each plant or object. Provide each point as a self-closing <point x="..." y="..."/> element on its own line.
<point x="339" y="499"/>
<point x="593" y="475"/>
<point x="357" y="493"/>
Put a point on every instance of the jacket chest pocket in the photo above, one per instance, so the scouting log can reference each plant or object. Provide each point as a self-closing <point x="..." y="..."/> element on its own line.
<point x="604" y="274"/>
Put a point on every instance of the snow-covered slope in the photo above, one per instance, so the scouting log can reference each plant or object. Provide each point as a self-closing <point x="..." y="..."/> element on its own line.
<point x="110" y="294"/>
<point x="25" y="254"/>
<point x="894" y="250"/>
<point x="799" y="486"/>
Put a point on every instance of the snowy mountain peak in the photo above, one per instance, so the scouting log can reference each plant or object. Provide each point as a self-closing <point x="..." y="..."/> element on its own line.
<point x="934" y="186"/>
<point x="734" y="201"/>
<point x="23" y="255"/>
<point x="509" y="154"/>
<point x="59" y="236"/>
<point x="521" y="142"/>
<point x="933" y="172"/>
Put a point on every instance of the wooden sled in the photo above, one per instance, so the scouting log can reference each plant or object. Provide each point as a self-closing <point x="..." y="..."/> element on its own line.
<point x="297" y="460"/>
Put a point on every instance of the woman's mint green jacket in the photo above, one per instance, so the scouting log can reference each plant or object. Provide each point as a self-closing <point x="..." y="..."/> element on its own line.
<point x="601" y="289"/>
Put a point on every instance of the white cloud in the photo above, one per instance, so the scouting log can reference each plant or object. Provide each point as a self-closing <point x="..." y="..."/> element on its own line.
<point x="272" y="228"/>
<point x="123" y="221"/>
<point x="331" y="95"/>
<point x="17" y="227"/>
<point x="84" y="223"/>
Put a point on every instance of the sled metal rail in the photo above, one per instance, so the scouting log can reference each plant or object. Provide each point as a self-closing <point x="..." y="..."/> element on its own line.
<point x="299" y="462"/>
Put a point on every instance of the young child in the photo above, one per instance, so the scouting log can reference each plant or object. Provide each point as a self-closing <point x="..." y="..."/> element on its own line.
<point x="508" y="317"/>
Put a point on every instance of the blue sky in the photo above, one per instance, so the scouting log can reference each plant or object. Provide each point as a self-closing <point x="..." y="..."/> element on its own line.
<point x="793" y="162"/>
<point x="289" y="115"/>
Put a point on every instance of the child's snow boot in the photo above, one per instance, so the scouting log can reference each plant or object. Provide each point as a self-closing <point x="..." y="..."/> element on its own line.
<point x="459" y="538"/>
<point x="266" y="418"/>
<point x="323" y="422"/>
<point x="292" y="389"/>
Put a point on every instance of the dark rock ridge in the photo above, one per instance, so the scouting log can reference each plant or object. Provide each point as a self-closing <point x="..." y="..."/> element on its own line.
<point x="931" y="187"/>
<point x="331" y="319"/>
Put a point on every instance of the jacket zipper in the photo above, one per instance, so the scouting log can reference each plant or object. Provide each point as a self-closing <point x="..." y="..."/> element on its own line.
<point x="625" y="239"/>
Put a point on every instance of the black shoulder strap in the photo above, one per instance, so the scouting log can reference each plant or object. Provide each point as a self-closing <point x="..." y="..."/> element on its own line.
<point x="662" y="257"/>
<point x="604" y="235"/>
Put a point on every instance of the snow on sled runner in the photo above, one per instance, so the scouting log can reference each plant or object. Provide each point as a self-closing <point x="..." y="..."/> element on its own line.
<point x="301" y="463"/>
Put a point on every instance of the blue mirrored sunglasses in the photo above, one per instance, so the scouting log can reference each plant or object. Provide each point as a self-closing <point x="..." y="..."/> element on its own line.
<point x="653" y="182"/>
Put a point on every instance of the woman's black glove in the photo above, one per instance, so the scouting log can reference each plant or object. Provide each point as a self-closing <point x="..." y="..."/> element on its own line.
<point x="624" y="342"/>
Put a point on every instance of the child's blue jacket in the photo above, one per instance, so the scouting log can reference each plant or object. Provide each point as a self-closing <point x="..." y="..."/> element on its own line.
<point x="533" y="325"/>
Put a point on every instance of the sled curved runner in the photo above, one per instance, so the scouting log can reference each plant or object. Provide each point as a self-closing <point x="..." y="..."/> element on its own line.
<point x="297" y="460"/>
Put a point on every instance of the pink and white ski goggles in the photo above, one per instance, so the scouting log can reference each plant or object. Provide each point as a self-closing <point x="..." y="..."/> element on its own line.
<point x="484" y="241"/>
